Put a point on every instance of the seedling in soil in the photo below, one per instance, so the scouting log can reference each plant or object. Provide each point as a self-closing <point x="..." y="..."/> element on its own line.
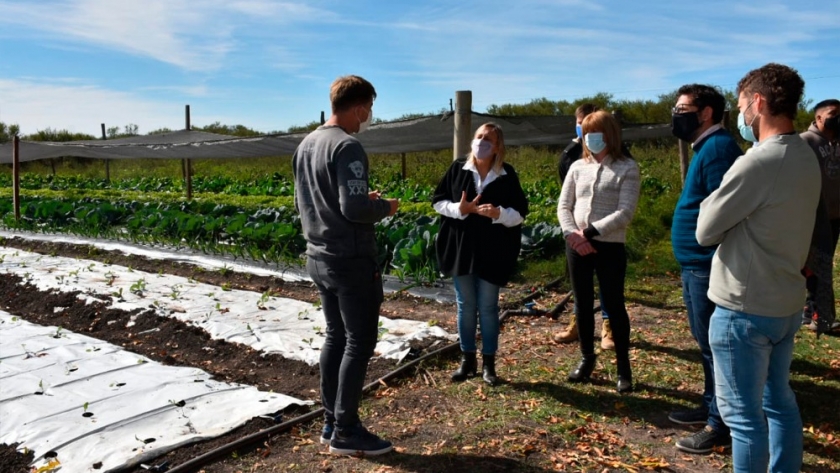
<point x="317" y="330"/>
<point x="226" y="286"/>
<point x="118" y="295"/>
<point x="90" y="267"/>
<point x="110" y="277"/>
<point x="138" y="287"/>
<point x="176" y="292"/>
<point x="60" y="279"/>
<point x="85" y="412"/>
<point x="309" y="341"/>
<point x="263" y="299"/>
<point x="57" y="333"/>
<point x="224" y="270"/>
<point x="41" y="389"/>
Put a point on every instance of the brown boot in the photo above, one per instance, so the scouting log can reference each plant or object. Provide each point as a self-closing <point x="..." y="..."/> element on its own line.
<point x="570" y="334"/>
<point x="607" y="342"/>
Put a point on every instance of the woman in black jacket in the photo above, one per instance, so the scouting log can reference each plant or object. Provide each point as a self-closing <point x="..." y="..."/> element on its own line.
<point x="482" y="206"/>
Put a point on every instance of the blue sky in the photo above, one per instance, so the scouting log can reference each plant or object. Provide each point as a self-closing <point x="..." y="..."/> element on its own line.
<point x="73" y="64"/>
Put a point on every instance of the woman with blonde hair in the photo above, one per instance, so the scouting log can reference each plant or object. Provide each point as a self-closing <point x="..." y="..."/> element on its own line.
<point x="596" y="204"/>
<point x="482" y="207"/>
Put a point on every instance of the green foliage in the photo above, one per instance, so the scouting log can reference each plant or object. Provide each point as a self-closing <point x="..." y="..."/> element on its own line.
<point x="304" y="128"/>
<point x="544" y="106"/>
<point x="7" y="132"/>
<point x="234" y="130"/>
<point x="129" y="130"/>
<point x="57" y="135"/>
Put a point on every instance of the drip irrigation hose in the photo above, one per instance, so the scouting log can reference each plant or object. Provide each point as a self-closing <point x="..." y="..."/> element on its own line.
<point x="196" y="463"/>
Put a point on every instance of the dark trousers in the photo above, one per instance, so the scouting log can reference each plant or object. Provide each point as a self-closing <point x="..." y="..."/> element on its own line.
<point x="351" y="294"/>
<point x="609" y="264"/>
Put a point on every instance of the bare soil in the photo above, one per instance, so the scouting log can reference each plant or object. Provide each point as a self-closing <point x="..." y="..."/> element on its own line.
<point x="432" y="422"/>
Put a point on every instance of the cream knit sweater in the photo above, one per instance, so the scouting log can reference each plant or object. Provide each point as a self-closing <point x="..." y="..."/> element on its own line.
<point x="602" y="195"/>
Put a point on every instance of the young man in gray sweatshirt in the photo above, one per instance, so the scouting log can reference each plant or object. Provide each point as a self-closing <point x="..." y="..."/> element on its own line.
<point x="337" y="212"/>
<point x="762" y="217"/>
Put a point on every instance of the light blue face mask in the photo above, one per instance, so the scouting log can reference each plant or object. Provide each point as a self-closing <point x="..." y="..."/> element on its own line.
<point x="579" y="131"/>
<point x="595" y="142"/>
<point x="747" y="130"/>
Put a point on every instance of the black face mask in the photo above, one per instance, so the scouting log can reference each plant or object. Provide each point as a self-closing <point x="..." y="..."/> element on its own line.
<point x="832" y="125"/>
<point x="683" y="125"/>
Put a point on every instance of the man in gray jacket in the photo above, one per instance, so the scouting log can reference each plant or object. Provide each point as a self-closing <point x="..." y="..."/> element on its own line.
<point x="762" y="217"/>
<point x="337" y="212"/>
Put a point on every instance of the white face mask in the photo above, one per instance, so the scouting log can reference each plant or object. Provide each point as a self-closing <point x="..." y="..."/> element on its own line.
<point x="482" y="149"/>
<point x="595" y="142"/>
<point x="363" y="125"/>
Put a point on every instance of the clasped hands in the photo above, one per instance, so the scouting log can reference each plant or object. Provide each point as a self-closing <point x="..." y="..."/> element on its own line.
<point x="473" y="207"/>
<point x="579" y="243"/>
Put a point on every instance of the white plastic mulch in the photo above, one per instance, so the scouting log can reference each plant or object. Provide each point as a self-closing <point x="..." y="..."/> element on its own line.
<point x="291" y="328"/>
<point x="138" y="409"/>
<point x="100" y="408"/>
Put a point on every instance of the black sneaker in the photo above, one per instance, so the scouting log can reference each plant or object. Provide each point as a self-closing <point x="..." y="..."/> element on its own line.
<point x="704" y="441"/>
<point x="327" y="433"/>
<point x="698" y="416"/>
<point x="357" y="440"/>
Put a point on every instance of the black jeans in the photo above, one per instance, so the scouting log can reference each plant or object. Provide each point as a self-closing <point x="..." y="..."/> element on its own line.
<point x="610" y="265"/>
<point x="351" y="294"/>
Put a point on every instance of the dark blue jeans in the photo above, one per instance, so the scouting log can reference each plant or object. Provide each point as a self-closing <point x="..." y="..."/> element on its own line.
<point x="695" y="283"/>
<point x="351" y="294"/>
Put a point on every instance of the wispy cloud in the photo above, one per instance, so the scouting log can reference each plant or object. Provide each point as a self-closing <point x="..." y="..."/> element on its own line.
<point x="67" y="104"/>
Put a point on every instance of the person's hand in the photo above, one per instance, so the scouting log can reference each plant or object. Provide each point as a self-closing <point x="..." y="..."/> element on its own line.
<point x="579" y="243"/>
<point x="373" y="195"/>
<point x="394" y="204"/>
<point x="585" y="248"/>
<point x="468" y="206"/>
<point x="489" y="210"/>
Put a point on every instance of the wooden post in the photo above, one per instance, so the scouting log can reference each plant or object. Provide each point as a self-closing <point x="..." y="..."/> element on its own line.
<point x="16" y="176"/>
<point x="402" y="158"/>
<point x="683" y="159"/>
<point x="186" y="163"/>
<point x="107" y="161"/>
<point x="323" y="120"/>
<point x="463" y="123"/>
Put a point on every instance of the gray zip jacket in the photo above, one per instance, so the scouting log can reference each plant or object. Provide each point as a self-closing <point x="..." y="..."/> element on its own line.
<point x="331" y="195"/>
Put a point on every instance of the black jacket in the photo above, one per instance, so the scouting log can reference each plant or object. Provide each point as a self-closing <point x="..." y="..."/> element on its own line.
<point x="475" y="245"/>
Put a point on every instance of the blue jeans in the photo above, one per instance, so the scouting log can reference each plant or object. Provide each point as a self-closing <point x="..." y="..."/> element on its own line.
<point x="752" y="371"/>
<point x="695" y="283"/>
<point x="477" y="299"/>
<point x="351" y="294"/>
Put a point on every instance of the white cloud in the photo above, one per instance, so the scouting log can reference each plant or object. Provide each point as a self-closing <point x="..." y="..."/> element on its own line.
<point x="66" y="104"/>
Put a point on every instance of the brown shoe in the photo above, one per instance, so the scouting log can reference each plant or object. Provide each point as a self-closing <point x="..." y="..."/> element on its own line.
<point x="606" y="336"/>
<point x="570" y="334"/>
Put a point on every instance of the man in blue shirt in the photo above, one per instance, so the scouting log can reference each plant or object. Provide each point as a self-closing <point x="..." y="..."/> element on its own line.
<point x="696" y="118"/>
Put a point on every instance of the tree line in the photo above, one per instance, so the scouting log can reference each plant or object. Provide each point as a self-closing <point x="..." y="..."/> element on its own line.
<point x="632" y="112"/>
